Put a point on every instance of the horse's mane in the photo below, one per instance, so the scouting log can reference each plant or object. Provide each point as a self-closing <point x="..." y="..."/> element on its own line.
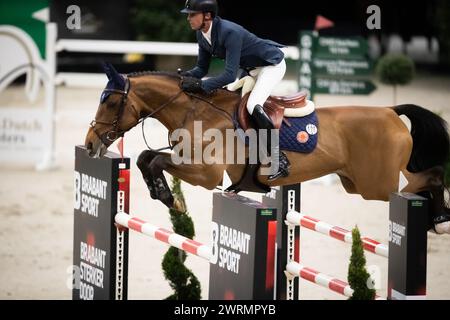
<point x="154" y="73"/>
<point x="176" y="76"/>
<point x="169" y="74"/>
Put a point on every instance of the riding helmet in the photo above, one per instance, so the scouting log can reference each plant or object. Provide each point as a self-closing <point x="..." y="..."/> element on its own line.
<point x="192" y="6"/>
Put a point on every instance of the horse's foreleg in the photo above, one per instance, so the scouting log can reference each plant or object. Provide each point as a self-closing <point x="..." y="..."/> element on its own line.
<point x="154" y="179"/>
<point x="152" y="166"/>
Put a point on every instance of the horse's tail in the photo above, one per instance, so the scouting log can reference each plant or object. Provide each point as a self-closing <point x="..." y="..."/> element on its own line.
<point x="431" y="142"/>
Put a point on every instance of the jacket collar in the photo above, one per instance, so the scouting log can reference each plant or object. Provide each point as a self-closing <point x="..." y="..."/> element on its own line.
<point x="214" y="32"/>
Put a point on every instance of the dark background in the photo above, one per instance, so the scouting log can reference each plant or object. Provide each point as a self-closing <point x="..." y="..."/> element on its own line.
<point x="160" y="20"/>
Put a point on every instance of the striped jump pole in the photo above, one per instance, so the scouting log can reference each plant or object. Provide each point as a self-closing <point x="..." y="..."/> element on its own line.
<point x="321" y="279"/>
<point x="335" y="232"/>
<point x="161" y="234"/>
<point x="164" y="235"/>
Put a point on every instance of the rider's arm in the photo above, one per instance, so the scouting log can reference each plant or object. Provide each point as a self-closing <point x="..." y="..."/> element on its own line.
<point x="233" y="46"/>
<point x="202" y="67"/>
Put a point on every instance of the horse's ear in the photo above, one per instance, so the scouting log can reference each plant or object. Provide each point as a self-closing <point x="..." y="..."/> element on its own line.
<point x="108" y="69"/>
<point x="113" y="75"/>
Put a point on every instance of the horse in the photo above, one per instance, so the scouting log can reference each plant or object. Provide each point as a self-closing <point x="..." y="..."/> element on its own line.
<point x="369" y="148"/>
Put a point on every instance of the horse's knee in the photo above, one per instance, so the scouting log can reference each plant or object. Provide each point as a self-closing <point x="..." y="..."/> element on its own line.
<point x="157" y="164"/>
<point x="144" y="159"/>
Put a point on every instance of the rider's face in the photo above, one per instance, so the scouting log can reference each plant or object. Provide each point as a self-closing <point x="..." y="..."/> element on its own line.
<point x="195" y="20"/>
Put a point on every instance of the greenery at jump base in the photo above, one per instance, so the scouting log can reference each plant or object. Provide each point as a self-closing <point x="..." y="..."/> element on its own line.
<point x="358" y="277"/>
<point x="184" y="283"/>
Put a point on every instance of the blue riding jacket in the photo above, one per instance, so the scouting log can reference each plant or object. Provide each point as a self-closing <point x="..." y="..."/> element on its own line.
<point x="240" y="49"/>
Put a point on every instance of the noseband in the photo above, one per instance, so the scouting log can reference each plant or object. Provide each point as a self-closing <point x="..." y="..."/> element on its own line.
<point x="110" y="136"/>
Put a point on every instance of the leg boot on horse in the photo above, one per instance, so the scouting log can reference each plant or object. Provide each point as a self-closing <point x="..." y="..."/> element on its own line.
<point x="155" y="181"/>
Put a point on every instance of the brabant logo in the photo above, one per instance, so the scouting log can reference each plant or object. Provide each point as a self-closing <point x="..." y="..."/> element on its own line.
<point x="396" y="232"/>
<point x="89" y="191"/>
<point x="228" y="245"/>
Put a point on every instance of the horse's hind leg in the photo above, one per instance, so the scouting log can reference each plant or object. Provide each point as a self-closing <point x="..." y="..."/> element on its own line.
<point x="348" y="184"/>
<point x="423" y="181"/>
<point x="430" y="184"/>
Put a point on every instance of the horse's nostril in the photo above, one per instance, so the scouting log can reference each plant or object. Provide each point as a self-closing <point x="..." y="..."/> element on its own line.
<point x="89" y="146"/>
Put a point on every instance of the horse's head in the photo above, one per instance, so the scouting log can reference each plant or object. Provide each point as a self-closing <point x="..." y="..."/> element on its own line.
<point x="116" y="114"/>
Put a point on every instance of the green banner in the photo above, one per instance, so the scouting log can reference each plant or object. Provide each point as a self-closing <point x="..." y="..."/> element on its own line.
<point x="343" y="86"/>
<point x="349" y="47"/>
<point x="19" y="14"/>
<point x="342" y="67"/>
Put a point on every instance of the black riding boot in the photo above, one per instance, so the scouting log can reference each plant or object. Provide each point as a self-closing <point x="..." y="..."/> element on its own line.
<point x="263" y="121"/>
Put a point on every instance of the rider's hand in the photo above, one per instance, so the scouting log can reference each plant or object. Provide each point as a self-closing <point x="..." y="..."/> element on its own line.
<point x="183" y="73"/>
<point x="191" y="84"/>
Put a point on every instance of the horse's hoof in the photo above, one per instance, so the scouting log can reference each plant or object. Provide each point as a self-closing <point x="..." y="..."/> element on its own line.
<point x="442" y="223"/>
<point x="443" y="227"/>
<point x="179" y="206"/>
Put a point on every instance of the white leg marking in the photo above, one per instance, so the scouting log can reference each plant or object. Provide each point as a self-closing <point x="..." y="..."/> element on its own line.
<point x="402" y="182"/>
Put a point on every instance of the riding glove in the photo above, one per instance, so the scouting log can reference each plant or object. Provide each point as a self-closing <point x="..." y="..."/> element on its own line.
<point x="191" y="84"/>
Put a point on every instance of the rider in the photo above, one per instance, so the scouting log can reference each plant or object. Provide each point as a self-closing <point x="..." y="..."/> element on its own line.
<point x="224" y="39"/>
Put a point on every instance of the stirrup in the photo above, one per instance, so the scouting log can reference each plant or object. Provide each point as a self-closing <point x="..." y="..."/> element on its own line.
<point x="281" y="173"/>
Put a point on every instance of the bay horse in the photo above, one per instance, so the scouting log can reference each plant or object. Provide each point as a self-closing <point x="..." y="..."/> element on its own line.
<point x="369" y="148"/>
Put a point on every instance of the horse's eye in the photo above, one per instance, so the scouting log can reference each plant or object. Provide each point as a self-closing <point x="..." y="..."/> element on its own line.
<point x="104" y="96"/>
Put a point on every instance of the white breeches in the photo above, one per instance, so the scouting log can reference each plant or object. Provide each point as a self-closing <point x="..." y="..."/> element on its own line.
<point x="266" y="79"/>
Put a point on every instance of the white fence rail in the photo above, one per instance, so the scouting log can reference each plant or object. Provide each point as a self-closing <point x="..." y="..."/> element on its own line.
<point x="144" y="47"/>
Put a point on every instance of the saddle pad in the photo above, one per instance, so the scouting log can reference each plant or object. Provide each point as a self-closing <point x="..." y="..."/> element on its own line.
<point x="301" y="136"/>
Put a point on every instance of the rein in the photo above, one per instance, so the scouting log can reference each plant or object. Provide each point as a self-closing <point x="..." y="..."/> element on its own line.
<point x="192" y="95"/>
<point x="110" y="136"/>
<point x="172" y="99"/>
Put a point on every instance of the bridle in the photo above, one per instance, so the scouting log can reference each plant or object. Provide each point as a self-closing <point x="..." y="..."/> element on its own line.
<point x="110" y="136"/>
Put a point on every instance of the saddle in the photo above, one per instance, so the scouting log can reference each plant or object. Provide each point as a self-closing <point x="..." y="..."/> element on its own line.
<point x="275" y="107"/>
